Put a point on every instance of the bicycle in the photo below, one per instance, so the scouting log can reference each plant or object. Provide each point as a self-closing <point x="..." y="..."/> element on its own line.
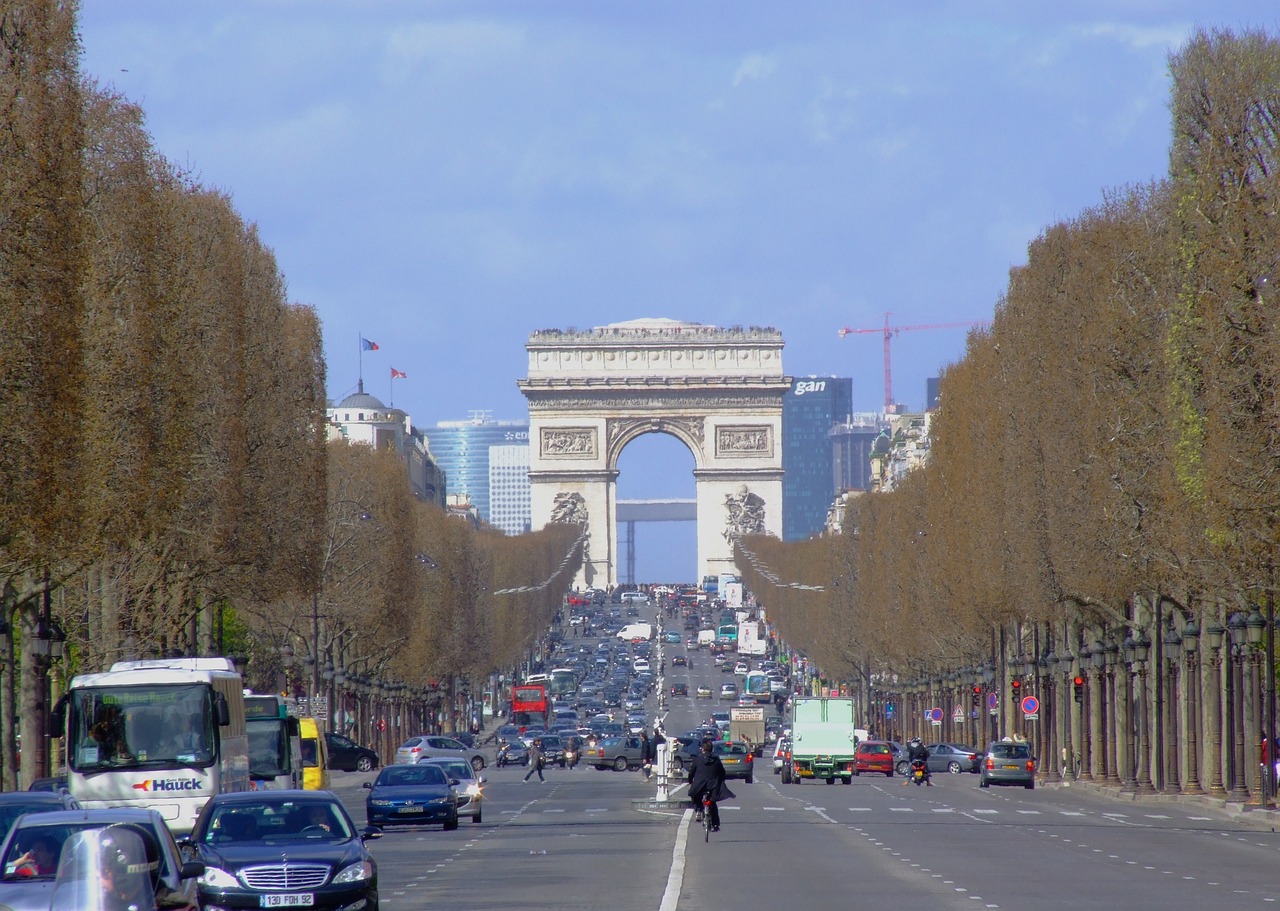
<point x="706" y="817"/>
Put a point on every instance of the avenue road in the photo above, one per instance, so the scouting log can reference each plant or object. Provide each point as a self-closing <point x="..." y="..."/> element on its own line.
<point x="593" y="839"/>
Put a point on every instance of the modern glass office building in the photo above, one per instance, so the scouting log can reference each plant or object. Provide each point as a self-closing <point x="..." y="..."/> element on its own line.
<point x="510" y="496"/>
<point x="851" y="443"/>
<point x="462" y="448"/>
<point x="813" y="405"/>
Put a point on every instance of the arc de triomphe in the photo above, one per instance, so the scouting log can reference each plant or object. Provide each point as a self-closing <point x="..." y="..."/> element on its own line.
<point x="719" y="391"/>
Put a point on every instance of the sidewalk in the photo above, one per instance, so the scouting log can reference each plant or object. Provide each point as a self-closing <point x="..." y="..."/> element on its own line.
<point x="1252" y="814"/>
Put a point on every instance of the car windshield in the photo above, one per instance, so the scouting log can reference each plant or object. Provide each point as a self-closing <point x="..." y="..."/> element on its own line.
<point x="34" y="850"/>
<point x="455" y="768"/>
<point x="411" y="776"/>
<point x="276" y="822"/>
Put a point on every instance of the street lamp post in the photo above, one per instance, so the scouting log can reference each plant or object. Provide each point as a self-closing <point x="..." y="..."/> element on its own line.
<point x="1141" y="653"/>
<point x="1213" y="633"/>
<point x="1172" y="657"/>
<point x="1237" y="631"/>
<point x="1097" y="707"/>
<point x="1260" y="779"/>
<point x="1191" y="686"/>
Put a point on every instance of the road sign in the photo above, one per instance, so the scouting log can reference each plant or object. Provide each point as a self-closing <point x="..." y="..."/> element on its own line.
<point x="957" y="716"/>
<point x="1030" y="705"/>
<point x="993" y="701"/>
<point x="934" y="715"/>
<point x="888" y="710"/>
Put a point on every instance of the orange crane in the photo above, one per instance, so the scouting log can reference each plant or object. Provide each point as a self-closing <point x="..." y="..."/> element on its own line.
<point x="889" y="332"/>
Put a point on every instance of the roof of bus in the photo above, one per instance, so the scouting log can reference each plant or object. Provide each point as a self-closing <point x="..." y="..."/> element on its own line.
<point x="167" y="670"/>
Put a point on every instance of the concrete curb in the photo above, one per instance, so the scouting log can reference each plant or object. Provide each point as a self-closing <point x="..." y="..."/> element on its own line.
<point x="1255" y="816"/>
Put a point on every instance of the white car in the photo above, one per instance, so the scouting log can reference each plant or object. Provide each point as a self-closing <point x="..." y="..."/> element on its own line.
<point x="729" y="691"/>
<point x="640" y="665"/>
<point x="741" y="668"/>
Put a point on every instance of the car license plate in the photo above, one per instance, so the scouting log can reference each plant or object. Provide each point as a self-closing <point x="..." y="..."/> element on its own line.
<point x="412" y="809"/>
<point x="290" y="900"/>
<point x="1014" y="766"/>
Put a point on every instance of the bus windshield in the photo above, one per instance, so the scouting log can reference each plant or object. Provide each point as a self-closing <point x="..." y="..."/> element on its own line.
<point x="757" y="684"/>
<point x="140" y="726"/>
<point x="269" y="755"/>
<point x="563" y="683"/>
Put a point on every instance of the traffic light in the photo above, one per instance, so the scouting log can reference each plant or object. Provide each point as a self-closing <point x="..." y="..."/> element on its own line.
<point x="1016" y="686"/>
<point x="977" y="695"/>
<point x="1079" y="685"/>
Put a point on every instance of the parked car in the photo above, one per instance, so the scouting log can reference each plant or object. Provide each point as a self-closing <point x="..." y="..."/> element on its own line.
<point x="873" y="756"/>
<point x="14" y="803"/>
<point x="470" y="786"/>
<point x="26" y="885"/>
<point x="953" y="758"/>
<point x="1008" y="762"/>
<point x="275" y="849"/>
<point x="619" y="753"/>
<point x="411" y="794"/>
<point x="415" y="748"/>
<point x="348" y="756"/>
<point x="738" y="759"/>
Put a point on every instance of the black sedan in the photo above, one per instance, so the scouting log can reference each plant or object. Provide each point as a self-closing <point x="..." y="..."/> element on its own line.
<point x="269" y="849"/>
<point x="412" y="794"/>
<point x="348" y="756"/>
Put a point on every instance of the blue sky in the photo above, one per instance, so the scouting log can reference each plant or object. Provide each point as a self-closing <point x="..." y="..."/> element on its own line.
<point x="446" y="177"/>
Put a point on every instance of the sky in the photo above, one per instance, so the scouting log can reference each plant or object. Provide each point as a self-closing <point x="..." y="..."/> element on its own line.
<point x="444" y="178"/>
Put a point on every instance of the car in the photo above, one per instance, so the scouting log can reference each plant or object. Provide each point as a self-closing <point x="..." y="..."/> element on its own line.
<point x="348" y="756"/>
<point x="552" y="750"/>
<point x="273" y="849"/>
<point x="719" y="721"/>
<point x="671" y="636"/>
<point x="470" y="786"/>
<point x="679" y="661"/>
<point x="691" y="643"/>
<point x="14" y="803"/>
<point x="781" y="750"/>
<point x="901" y="758"/>
<point x="738" y="759"/>
<point x="55" y="783"/>
<point x="415" y="748"/>
<point x="679" y="689"/>
<point x="26" y="884"/>
<point x="953" y="758"/>
<point x="1008" y="762"/>
<point x="729" y="691"/>
<point x="619" y="753"/>
<point x="873" y="756"/>
<point x="684" y="750"/>
<point x="703" y="691"/>
<point x="740" y="668"/>
<point x="639" y="665"/>
<point x="414" y="794"/>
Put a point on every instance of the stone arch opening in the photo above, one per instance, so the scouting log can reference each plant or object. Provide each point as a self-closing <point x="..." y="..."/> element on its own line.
<point x="719" y="391"/>
<point x="657" y="509"/>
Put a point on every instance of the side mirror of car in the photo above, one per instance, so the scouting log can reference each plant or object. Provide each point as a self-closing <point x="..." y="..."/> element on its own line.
<point x="367" y="784"/>
<point x="370" y="832"/>
<point x="192" y="869"/>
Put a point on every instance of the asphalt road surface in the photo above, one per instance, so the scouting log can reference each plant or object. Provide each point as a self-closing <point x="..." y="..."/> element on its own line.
<point x="598" y="839"/>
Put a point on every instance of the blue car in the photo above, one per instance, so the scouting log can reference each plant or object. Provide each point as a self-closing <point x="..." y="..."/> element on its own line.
<point x="412" y="794"/>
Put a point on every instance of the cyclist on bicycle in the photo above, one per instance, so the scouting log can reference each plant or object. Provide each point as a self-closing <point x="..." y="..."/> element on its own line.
<point x="706" y="779"/>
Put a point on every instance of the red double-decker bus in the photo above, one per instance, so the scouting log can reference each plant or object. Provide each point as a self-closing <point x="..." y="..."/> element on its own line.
<point x="529" y="705"/>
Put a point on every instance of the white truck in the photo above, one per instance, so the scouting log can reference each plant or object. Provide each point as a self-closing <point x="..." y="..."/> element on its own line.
<point x="823" y="740"/>
<point x="706" y="638"/>
<point x="749" y="640"/>
<point x="633" y="631"/>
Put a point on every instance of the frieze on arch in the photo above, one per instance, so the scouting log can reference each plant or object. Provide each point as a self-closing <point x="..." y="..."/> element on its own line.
<point x="646" y="403"/>
<point x="743" y="442"/>
<point x="568" y="442"/>
<point x="622" y="431"/>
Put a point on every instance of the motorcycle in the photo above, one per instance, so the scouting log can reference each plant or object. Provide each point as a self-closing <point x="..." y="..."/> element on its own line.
<point x="918" y="771"/>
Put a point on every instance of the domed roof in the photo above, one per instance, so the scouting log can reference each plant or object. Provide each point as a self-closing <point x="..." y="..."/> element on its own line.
<point x="362" y="400"/>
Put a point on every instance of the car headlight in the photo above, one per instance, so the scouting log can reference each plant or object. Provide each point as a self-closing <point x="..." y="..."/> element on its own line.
<point x="217" y="878"/>
<point x="441" y="801"/>
<point x="379" y="802"/>
<point x="357" y="872"/>
<point x="473" y="790"/>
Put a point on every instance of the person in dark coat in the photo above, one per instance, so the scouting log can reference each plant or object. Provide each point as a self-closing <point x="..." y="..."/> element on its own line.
<point x="647" y="755"/>
<point x="706" y="778"/>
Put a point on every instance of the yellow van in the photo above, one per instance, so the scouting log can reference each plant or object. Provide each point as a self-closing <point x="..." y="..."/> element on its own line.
<point x="315" y="759"/>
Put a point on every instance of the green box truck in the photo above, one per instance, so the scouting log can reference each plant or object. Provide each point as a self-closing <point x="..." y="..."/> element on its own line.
<point x="823" y="739"/>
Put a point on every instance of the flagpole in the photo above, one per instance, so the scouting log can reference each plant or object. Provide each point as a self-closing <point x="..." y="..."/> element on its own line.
<point x="360" y="362"/>
<point x="391" y="388"/>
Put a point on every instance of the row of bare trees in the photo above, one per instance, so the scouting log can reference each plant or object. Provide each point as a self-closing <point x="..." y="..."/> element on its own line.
<point x="165" y="484"/>
<point x="1105" y="462"/>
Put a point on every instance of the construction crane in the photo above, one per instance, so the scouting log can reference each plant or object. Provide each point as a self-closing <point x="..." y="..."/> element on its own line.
<point x="889" y="332"/>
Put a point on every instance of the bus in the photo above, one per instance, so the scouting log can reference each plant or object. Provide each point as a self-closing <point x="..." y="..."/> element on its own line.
<point x="563" y="684"/>
<point x="757" y="686"/>
<point x="275" y="747"/>
<point x="529" y="706"/>
<point x="727" y="634"/>
<point x="165" y="734"/>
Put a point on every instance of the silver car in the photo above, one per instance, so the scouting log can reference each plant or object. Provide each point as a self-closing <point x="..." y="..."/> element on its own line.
<point x="416" y="748"/>
<point x="470" y="786"/>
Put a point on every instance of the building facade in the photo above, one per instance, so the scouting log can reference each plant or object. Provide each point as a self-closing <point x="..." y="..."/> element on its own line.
<point x="362" y="418"/>
<point x="463" y="451"/>
<point x="811" y="407"/>
<point x="851" y="448"/>
<point x="509" y="500"/>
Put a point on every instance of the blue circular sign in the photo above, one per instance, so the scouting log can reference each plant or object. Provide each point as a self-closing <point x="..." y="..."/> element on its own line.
<point x="1030" y="705"/>
<point x="934" y="714"/>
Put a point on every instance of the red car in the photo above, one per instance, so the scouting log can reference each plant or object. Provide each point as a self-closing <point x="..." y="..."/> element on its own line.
<point x="873" y="756"/>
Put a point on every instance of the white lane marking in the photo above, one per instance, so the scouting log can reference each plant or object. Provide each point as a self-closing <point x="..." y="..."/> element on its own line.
<point x="986" y="812"/>
<point x="1071" y="813"/>
<point x="774" y="809"/>
<point x="944" y="809"/>
<point x="553" y="810"/>
<point x="675" y="879"/>
<point x="1156" y="816"/>
<point x="902" y="809"/>
<point x="859" y="809"/>
<point x="1029" y="812"/>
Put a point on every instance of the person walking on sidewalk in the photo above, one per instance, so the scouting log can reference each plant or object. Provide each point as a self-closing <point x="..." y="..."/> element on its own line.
<point x="647" y="755"/>
<point x="536" y="760"/>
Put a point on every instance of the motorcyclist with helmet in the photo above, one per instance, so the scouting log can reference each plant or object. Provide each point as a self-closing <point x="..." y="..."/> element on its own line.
<point x="918" y="751"/>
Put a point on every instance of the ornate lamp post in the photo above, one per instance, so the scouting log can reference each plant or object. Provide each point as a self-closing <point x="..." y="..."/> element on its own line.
<point x="48" y="648"/>
<point x="1141" y="653"/>
<point x="1172" y="658"/>
<point x="1213" y="634"/>
<point x="1191" y="685"/>
<point x="1125" y="733"/>
<point x="1096" y="769"/>
<point x="1259" y="731"/>
<point x="1237" y="630"/>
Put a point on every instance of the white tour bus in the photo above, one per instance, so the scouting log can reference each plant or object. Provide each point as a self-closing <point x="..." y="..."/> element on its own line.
<point x="165" y="734"/>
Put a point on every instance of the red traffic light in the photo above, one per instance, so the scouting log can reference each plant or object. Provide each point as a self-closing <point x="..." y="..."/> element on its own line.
<point x="977" y="690"/>
<point x="1079" y="681"/>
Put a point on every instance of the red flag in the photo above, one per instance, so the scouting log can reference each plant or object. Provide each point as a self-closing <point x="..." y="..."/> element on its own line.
<point x="398" y="374"/>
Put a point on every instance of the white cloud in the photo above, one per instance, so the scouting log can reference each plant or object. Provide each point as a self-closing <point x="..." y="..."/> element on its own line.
<point x="754" y="66"/>
<point x="463" y="44"/>
<point x="1139" y="37"/>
